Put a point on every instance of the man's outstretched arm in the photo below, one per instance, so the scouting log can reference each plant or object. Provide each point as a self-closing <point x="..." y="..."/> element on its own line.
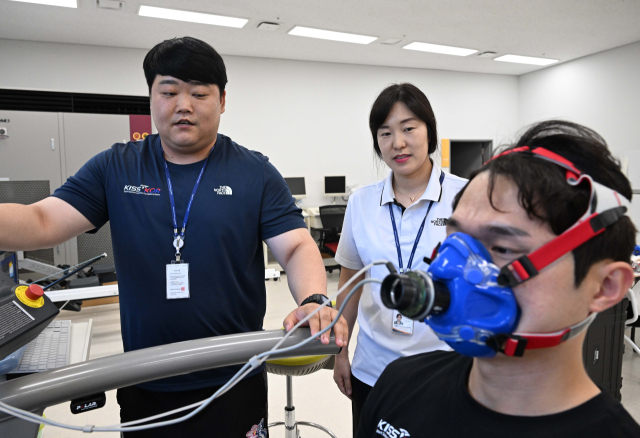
<point x="44" y="224"/>
<point x="298" y="254"/>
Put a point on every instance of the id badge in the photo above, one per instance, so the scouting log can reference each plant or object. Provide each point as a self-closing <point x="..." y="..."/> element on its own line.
<point x="177" y="281"/>
<point x="401" y="324"/>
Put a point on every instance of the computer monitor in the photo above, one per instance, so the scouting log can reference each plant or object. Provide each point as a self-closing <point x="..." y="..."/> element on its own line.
<point x="297" y="187"/>
<point x="335" y="186"/>
<point x="9" y="265"/>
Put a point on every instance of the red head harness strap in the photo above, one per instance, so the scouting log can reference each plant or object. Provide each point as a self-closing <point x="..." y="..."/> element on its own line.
<point x="606" y="206"/>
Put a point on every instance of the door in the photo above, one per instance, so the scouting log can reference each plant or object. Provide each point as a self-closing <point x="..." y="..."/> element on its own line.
<point x="469" y="155"/>
<point x="32" y="150"/>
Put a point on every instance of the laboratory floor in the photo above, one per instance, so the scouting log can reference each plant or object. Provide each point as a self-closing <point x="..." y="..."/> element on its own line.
<point x="316" y="397"/>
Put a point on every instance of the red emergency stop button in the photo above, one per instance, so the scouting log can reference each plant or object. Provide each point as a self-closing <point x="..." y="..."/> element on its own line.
<point x="34" y="292"/>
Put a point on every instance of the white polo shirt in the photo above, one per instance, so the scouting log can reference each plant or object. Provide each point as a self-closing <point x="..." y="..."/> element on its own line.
<point x="367" y="235"/>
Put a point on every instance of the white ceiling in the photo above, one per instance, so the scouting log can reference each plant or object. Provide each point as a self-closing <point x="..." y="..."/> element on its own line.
<point x="559" y="29"/>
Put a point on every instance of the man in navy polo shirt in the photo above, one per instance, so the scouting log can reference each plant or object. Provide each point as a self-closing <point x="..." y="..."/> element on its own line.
<point x="189" y="209"/>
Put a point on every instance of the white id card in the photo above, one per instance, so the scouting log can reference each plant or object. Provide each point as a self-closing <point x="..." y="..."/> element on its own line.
<point x="401" y="324"/>
<point x="177" y="281"/>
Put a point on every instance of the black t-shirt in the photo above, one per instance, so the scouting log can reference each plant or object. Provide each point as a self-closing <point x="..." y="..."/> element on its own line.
<point x="241" y="200"/>
<point x="426" y="395"/>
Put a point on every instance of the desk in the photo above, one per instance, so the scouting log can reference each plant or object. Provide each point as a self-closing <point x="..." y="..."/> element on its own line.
<point x="80" y="341"/>
<point x="306" y="217"/>
<point x="270" y="261"/>
<point x="313" y="217"/>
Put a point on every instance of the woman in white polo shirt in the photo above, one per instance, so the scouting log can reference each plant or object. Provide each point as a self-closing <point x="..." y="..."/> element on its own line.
<point x="401" y="218"/>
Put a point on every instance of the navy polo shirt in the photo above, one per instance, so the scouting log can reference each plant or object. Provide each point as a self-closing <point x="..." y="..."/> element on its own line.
<point x="242" y="200"/>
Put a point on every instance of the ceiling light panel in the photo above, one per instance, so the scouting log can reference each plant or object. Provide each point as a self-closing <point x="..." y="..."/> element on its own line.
<point x="63" y="3"/>
<point x="435" y="48"/>
<point x="526" y="60"/>
<point x="192" y="17"/>
<point x="330" y="35"/>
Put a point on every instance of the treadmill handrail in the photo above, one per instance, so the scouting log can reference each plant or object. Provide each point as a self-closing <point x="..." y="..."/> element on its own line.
<point x="40" y="390"/>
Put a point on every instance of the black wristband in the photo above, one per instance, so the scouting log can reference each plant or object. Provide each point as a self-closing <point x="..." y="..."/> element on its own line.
<point x="316" y="298"/>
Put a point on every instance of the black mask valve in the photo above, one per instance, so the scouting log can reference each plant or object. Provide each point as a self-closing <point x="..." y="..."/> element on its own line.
<point x="414" y="294"/>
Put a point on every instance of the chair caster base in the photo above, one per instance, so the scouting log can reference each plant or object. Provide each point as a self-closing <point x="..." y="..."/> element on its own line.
<point x="295" y="433"/>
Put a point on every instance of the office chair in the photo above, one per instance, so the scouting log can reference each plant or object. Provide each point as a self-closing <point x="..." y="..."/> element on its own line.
<point x="297" y="366"/>
<point x="332" y="217"/>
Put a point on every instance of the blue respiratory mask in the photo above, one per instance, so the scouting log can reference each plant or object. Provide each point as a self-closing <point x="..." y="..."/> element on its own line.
<point x="458" y="297"/>
<point x="469" y="302"/>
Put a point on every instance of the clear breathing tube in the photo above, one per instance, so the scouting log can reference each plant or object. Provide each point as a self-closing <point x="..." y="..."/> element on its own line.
<point x="253" y="363"/>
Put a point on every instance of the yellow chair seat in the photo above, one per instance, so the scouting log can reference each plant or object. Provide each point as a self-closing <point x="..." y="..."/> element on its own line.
<point x="297" y="366"/>
<point x="297" y="361"/>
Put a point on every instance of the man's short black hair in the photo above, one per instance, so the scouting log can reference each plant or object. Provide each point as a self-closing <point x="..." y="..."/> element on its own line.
<point x="417" y="103"/>
<point x="187" y="59"/>
<point x="544" y="193"/>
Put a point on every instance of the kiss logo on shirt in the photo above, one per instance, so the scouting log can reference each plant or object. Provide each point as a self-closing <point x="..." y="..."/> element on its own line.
<point x="142" y="190"/>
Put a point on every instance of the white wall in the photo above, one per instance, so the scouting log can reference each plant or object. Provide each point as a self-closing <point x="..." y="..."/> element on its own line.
<point x="310" y="118"/>
<point x="601" y="91"/>
<point x="28" y="65"/>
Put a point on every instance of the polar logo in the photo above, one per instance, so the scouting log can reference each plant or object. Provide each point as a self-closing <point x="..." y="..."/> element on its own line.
<point x="142" y="190"/>
<point x="87" y="406"/>
<point x="388" y="431"/>
<point x="223" y="190"/>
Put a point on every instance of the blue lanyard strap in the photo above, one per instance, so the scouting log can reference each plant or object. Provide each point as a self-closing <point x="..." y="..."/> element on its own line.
<point x="173" y="204"/>
<point x="415" y="244"/>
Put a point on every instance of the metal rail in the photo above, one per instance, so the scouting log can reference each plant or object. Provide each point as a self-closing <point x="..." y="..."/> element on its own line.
<point x="40" y="390"/>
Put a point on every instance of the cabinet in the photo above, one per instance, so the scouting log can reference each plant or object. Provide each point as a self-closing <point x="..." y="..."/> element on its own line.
<point x="49" y="146"/>
<point x="86" y="135"/>
<point x="32" y="152"/>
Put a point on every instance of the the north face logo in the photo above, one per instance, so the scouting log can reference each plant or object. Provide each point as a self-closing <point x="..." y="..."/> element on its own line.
<point x="223" y="190"/>
<point x="440" y="222"/>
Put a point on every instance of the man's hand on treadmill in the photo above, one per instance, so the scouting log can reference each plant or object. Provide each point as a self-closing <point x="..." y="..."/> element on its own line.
<point x="318" y="322"/>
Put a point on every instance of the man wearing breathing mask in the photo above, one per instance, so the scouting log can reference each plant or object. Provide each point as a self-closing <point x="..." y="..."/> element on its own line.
<point x="538" y="244"/>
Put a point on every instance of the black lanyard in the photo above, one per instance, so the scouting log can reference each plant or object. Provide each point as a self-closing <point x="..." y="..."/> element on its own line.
<point x="415" y="244"/>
